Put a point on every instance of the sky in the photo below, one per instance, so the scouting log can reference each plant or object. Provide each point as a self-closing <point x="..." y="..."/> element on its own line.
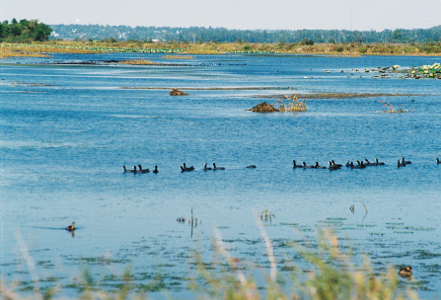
<point x="232" y="14"/>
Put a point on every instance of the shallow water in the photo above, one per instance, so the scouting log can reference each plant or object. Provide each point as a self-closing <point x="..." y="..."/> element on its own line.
<point x="67" y="130"/>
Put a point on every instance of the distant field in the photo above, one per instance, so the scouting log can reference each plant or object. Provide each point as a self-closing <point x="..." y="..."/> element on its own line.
<point x="346" y="49"/>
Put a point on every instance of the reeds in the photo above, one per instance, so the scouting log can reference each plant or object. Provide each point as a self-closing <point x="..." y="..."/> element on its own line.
<point x="293" y="104"/>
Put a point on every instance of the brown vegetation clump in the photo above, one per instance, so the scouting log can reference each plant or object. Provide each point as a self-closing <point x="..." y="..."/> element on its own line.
<point x="264" y="107"/>
<point x="176" y="92"/>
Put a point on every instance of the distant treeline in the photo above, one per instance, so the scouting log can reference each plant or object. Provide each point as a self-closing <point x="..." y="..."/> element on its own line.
<point x="202" y="34"/>
<point x="23" y="31"/>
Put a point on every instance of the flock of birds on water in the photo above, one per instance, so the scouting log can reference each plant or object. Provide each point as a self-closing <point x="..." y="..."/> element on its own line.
<point x="332" y="165"/>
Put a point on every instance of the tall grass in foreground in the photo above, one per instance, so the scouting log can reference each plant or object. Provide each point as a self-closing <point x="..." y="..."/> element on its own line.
<point x="332" y="275"/>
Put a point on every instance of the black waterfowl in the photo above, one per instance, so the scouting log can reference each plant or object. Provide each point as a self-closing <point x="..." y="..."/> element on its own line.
<point x="336" y="165"/>
<point x="349" y="164"/>
<point x="317" y="166"/>
<point x="400" y="164"/>
<point x="333" y="166"/>
<point x="156" y="170"/>
<point x="379" y="163"/>
<point x="368" y="163"/>
<point x="251" y="167"/>
<point x="438" y="161"/>
<point x="217" y="168"/>
<point x="295" y="166"/>
<point x="141" y="170"/>
<point x="405" y="272"/>
<point x="207" y="168"/>
<point x="129" y="171"/>
<point x="405" y="162"/>
<point x="185" y="169"/>
<point x="71" y="227"/>
<point x="358" y="166"/>
<point x="307" y="167"/>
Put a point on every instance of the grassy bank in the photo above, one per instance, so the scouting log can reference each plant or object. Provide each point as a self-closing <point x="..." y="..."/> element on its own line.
<point x="30" y="49"/>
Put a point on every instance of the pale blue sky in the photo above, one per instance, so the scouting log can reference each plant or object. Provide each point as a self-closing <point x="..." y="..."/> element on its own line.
<point x="232" y="14"/>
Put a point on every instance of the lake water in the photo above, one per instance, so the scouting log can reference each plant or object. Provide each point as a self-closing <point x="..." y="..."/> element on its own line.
<point x="68" y="129"/>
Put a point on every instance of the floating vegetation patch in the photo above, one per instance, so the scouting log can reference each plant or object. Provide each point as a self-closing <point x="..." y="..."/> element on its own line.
<point x="366" y="225"/>
<point x="390" y="108"/>
<point x="376" y="233"/>
<point x="223" y="227"/>
<point x="403" y="232"/>
<point x="412" y="228"/>
<point x="422" y="254"/>
<point x="394" y="223"/>
<point x="288" y="224"/>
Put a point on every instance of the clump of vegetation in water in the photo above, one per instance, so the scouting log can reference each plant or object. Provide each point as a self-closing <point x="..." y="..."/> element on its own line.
<point x="390" y="108"/>
<point x="293" y="104"/>
<point x="430" y="71"/>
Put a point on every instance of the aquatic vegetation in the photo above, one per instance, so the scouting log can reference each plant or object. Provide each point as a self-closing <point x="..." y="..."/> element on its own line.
<point x="391" y="108"/>
<point x="177" y="57"/>
<point x="293" y="104"/>
<point x="331" y="274"/>
<point x="140" y="61"/>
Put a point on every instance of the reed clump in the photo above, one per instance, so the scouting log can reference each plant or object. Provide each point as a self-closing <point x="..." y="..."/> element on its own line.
<point x="292" y="105"/>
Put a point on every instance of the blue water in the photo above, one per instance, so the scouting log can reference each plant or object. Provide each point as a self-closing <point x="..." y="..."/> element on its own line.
<point x="67" y="130"/>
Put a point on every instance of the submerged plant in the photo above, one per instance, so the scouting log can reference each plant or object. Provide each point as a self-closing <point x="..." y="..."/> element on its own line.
<point x="293" y="105"/>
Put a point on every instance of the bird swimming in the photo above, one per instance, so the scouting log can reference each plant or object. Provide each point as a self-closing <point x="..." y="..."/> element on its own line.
<point x="317" y="166"/>
<point x="405" y="271"/>
<point x="141" y="170"/>
<point x="378" y="163"/>
<point x="156" y="170"/>
<point x="307" y="167"/>
<point x="405" y="162"/>
<point x="71" y="227"/>
<point x="217" y="168"/>
<point x="185" y="169"/>
<point x="251" y="167"/>
<point x="295" y="166"/>
<point x="207" y="168"/>
<point x="129" y="171"/>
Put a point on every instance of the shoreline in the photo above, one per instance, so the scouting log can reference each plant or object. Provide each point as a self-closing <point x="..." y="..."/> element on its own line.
<point x="44" y="49"/>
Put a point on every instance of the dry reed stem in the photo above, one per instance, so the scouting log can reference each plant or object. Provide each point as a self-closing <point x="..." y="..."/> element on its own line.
<point x="269" y="248"/>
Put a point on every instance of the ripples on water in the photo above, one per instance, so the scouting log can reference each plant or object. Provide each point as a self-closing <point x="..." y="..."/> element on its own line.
<point x="68" y="130"/>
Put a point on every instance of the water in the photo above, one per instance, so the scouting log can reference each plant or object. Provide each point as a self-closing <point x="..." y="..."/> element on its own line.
<point x="67" y="130"/>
